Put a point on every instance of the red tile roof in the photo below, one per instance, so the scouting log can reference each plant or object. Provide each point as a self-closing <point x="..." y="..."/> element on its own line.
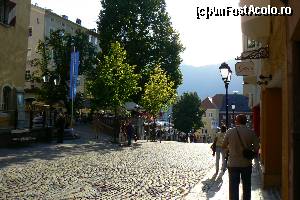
<point x="208" y="104"/>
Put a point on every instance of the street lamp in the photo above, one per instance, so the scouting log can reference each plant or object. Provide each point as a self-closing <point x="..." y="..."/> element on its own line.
<point x="233" y="108"/>
<point x="226" y="77"/>
<point x="56" y="81"/>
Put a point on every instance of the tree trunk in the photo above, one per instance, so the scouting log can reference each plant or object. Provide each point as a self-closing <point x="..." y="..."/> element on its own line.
<point x="116" y="126"/>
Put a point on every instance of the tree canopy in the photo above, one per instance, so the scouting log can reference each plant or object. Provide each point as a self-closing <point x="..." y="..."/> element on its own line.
<point x="54" y="62"/>
<point x="159" y="92"/>
<point x="114" y="81"/>
<point x="145" y="31"/>
<point x="187" y="113"/>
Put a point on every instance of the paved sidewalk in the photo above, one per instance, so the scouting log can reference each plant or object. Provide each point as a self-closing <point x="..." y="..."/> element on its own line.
<point x="216" y="187"/>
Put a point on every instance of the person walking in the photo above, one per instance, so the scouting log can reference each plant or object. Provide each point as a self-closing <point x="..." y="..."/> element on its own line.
<point x="219" y="151"/>
<point x="237" y="140"/>
<point x="61" y="123"/>
<point x="129" y="131"/>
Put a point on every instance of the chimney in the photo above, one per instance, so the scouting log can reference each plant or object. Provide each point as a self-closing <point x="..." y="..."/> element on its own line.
<point x="78" y="21"/>
<point x="65" y="16"/>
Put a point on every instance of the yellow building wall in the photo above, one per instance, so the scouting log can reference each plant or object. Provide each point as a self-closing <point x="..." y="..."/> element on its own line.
<point x="13" y="48"/>
<point x="37" y="23"/>
<point x="207" y="120"/>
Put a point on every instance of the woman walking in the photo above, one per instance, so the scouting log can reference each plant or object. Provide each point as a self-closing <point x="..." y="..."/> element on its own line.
<point x="219" y="150"/>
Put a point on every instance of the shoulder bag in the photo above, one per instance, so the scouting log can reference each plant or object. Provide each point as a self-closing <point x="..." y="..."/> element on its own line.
<point x="248" y="153"/>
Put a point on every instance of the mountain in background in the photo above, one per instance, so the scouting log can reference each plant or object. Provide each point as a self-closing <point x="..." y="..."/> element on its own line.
<point x="207" y="81"/>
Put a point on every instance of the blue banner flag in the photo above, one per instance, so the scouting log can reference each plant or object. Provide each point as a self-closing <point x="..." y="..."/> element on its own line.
<point x="74" y="65"/>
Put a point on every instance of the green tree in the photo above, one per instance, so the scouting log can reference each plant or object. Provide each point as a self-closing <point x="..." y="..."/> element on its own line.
<point x="54" y="62"/>
<point x="159" y="92"/>
<point x="145" y="31"/>
<point x="187" y="113"/>
<point x="114" y="81"/>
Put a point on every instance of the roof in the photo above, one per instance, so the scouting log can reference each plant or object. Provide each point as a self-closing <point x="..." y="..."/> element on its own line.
<point x="208" y="104"/>
<point x="240" y="101"/>
<point x="219" y="102"/>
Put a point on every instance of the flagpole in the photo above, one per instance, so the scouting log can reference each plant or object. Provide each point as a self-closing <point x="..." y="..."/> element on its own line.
<point x="72" y="92"/>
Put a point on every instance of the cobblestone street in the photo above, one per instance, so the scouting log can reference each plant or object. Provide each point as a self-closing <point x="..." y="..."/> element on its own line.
<point x="100" y="170"/>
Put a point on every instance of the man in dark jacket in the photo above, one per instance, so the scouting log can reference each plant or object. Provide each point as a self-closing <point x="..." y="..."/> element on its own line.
<point x="61" y="122"/>
<point x="129" y="132"/>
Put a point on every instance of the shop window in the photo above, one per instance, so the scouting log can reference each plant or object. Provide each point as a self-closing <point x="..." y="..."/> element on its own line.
<point x="6" y="97"/>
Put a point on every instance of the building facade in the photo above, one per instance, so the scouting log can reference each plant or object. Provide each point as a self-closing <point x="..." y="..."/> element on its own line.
<point x="210" y="119"/>
<point x="215" y="113"/>
<point x="276" y="78"/>
<point x="42" y="23"/>
<point x="14" y="22"/>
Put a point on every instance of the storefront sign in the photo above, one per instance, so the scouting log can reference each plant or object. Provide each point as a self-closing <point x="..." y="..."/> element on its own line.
<point x="245" y="69"/>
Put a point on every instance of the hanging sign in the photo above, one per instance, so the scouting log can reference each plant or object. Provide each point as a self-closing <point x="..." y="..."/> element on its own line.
<point x="245" y="69"/>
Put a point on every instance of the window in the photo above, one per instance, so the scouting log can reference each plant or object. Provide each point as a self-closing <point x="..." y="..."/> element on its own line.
<point x="37" y="20"/>
<point x="30" y="31"/>
<point x="7" y="12"/>
<point x="90" y="38"/>
<point x="96" y="41"/>
<point x="210" y="114"/>
<point x="27" y="75"/>
<point x="52" y="19"/>
<point x="250" y="43"/>
<point x="63" y="24"/>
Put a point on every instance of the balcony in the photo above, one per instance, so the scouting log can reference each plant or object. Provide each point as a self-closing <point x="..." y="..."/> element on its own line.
<point x="256" y="27"/>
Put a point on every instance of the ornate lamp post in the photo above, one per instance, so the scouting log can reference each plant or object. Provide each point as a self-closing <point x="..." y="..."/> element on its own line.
<point x="226" y="77"/>
<point x="233" y="108"/>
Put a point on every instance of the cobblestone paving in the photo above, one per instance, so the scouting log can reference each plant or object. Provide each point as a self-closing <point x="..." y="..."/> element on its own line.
<point x="147" y="170"/>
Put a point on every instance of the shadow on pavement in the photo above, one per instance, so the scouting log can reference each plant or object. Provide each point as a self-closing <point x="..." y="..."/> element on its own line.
<point x="52" y="151"/>
<point x="212" y="185"/>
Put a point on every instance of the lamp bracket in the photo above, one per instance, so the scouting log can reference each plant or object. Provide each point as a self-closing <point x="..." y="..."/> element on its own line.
<point x="262" y="83"/>
<point x="262" y="77"/>
<point x="259" y="53"/>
